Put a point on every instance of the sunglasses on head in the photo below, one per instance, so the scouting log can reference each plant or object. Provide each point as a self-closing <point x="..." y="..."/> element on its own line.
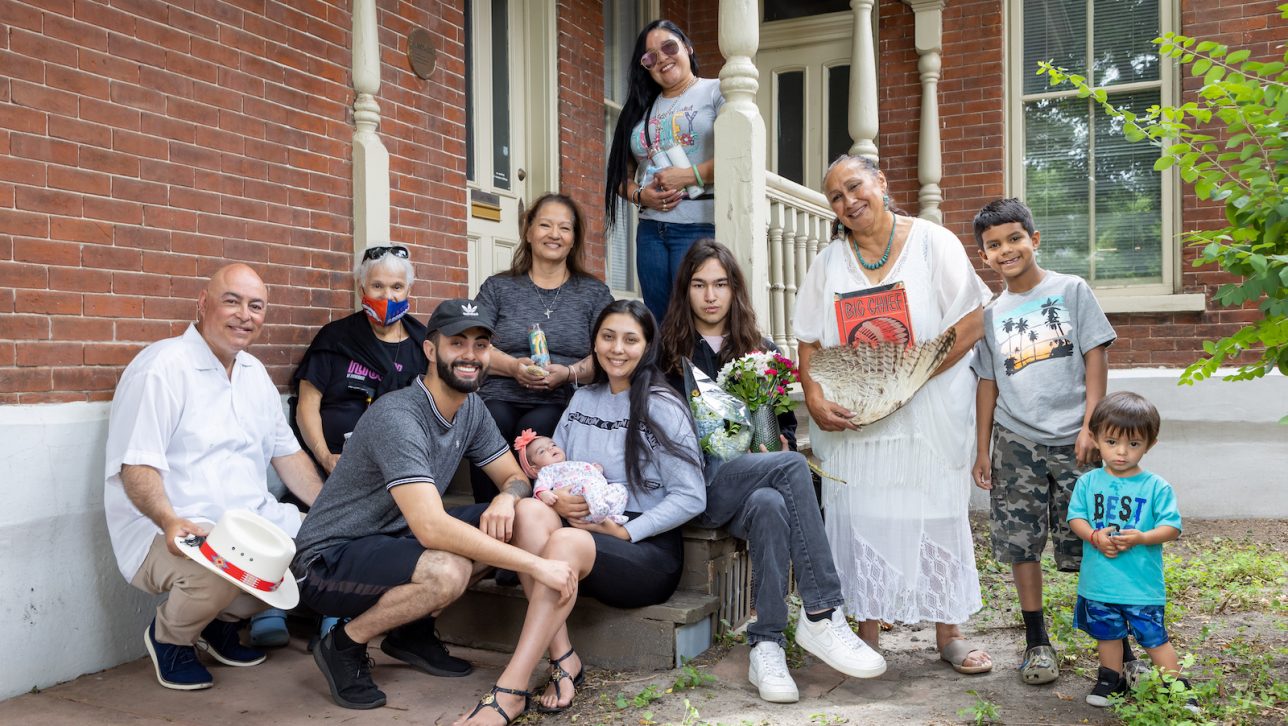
<point x="375" y="253"/>
<point x="670" y="49"/>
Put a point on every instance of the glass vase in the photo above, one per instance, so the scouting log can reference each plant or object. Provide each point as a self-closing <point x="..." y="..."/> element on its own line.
<point x="765" y="430"/>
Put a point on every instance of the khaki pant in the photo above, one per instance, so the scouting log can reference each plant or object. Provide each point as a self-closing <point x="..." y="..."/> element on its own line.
<point x="197" y="595"/>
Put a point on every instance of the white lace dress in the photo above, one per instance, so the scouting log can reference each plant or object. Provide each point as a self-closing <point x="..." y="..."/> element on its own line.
<point x="898" y="528"/>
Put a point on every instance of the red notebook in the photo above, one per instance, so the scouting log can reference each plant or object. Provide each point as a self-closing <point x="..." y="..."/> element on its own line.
<point x="876" y="315"/>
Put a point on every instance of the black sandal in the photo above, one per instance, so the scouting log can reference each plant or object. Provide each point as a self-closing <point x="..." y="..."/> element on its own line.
<point x="489" y="701"/>
<point x="557" y="674"/>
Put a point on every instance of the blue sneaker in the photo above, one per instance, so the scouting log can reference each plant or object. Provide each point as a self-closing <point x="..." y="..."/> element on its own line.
<point x="222" y="641"/>
<point x="176" y="665"/>
<point x="268" y="629"/>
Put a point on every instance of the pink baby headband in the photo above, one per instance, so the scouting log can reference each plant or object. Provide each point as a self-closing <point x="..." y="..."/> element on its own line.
<point x="521" y="447"/>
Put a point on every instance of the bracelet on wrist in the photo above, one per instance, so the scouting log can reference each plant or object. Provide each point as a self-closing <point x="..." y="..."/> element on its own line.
<point x="698" y="176"/>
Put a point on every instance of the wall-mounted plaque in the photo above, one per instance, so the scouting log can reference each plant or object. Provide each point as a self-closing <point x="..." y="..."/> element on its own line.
<point x="421" y="53"/>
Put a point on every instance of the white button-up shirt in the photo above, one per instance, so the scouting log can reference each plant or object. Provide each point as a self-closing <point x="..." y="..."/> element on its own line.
<point x="212" y="439"/>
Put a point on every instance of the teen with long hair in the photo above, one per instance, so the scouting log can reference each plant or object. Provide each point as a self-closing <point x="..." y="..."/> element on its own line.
<point x="766" y="499"/>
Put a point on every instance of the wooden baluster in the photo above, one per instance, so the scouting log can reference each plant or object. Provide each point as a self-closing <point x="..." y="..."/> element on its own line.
<point x="777" y="321"/>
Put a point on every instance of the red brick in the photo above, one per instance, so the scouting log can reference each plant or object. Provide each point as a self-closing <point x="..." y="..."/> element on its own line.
<point x="140" y="284"/>
<point x="46" y="252"/>
<point x="143" y="99"/>
<point x="143" y="330"/>
<point x="13" y="274"/>
<point x="79" y="280"/>
<point x="85" y="379"/>
<point x="20" y="118"/>
<point x="128" y="142"/>
<point x="112" y="258"/>
<point x="107" y="161"/>
<point x="169" y="218"/>
<point x="156" y="308"/>
<point x="113" y="306"/>
<point x="166" y="173"/>
<point x="87" y="182"/>
<point x="196" y="244"/>
<point x="37" y="45"/>
<point x="21" y="15"/>
<point x="43" y="149"/>
<point x="117" y="355"/>
<point x="141" y="237"/>
<point x="80" y="231"/>
<point x="16" y="380"/>
<point x="112" y="210"/>
<point x="26" y="327"/>
<point x="48" y="302"/>
<point x="52" y="201"/>
<point x="188" y="155"/>
<point x="139" y="191"/>
<point x="194" y="199"/>
<point x="24" y="223"/>
<point x="50" y="354"/>
<point x="22" y="171"/>
<point x="79" y="328"/>
<point x="167" y="263"/>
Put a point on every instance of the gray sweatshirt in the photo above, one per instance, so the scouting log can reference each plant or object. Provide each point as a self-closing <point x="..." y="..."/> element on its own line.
<point x="593" y="428"/>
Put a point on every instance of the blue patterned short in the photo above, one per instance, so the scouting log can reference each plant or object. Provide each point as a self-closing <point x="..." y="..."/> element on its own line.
<point x="1106" y="621"/>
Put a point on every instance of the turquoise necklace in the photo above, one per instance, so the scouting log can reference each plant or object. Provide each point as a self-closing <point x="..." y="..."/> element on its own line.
<point x="885" y="257"/>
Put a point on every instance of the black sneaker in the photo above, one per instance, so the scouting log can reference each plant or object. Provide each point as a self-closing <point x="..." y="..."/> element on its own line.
<point x="1108" y="682"/>
<point x="348" y="674"/>
<point x="420" y="648"/>
<point x="223" y="642"/>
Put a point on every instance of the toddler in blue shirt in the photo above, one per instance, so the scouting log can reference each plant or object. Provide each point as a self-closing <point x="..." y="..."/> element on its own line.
<point x="1123" y="514"/>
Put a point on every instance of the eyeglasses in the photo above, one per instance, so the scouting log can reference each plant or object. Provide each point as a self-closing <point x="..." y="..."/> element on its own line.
<point x="375" y="253"/>
<point x="670" y="49"/>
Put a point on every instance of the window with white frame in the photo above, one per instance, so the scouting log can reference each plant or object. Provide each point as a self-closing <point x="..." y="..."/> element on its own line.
<point x="1103" y="212"/>
<point x="623" y="20"/>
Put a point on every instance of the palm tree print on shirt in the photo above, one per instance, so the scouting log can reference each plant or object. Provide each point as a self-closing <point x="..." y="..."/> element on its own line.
<point x="1034" y="332"/>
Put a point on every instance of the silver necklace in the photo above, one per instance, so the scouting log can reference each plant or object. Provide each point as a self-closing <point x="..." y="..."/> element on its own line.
<point x="550" y="308"/>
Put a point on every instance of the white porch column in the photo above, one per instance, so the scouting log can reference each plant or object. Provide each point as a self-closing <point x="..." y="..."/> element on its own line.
<point x="863" y="83"/>
<point x="370" y="158"/>
<point x="929" y="42"/>
<point x="741" y="211"/>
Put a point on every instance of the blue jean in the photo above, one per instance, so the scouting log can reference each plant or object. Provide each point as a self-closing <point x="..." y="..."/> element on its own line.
<point x="659" y="247"/>
<point x="768" y="500"/>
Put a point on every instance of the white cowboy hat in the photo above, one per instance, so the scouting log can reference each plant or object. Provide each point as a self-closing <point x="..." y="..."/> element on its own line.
<point x="251" y="553"/>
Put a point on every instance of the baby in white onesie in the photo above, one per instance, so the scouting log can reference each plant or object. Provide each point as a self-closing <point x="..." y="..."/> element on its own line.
<point x="544" y="462"/>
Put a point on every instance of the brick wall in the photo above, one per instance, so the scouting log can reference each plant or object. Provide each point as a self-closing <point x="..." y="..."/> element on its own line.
<point x="581" y="118"/>
<point x="144" y="144"/>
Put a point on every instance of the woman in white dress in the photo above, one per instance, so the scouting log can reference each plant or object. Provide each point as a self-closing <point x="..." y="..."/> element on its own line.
<point x="898" y="528"/>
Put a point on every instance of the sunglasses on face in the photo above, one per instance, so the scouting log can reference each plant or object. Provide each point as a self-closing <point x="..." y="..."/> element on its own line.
<point x="375" y="253"/>
<point x="670" y="49"/>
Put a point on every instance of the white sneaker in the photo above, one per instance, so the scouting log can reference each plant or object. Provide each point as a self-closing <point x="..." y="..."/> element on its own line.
<point x="768" y="672"/>
<point x="835" y="644"/>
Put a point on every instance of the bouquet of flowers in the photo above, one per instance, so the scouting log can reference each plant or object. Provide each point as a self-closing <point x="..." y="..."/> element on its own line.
<point x="760" y="379"/>
<point x="724" y="427"/>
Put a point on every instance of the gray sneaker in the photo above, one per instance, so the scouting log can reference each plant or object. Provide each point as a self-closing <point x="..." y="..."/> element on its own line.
<point x="767" y="671"/>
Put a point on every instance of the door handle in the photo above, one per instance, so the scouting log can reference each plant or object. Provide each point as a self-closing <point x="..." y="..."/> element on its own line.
<point x="522" y="174"/>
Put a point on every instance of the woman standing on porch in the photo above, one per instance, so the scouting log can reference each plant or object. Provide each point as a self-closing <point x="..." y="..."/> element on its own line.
<point x="668" y="109"/>
<point x="898" y="530"/>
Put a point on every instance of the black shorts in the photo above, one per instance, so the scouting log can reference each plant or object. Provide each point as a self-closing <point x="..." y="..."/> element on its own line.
<point x="347" y="579"/>
<point x="635" y="574"/>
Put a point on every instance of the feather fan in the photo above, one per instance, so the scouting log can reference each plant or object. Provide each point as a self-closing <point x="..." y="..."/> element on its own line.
<point x="874" y="381"/>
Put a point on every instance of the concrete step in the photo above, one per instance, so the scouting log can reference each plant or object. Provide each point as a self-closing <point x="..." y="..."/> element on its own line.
<point x="657" y="637"/>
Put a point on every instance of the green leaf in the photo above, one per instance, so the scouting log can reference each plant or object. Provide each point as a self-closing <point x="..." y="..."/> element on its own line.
<point x="1213" y="75"/>
<point x="1200" y="67"/>
<point x="1238" y="56"/>
<point x="1164" y="162"/>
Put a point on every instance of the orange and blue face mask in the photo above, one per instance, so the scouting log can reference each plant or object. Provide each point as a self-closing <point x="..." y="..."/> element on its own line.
<point x="386" y="311"/>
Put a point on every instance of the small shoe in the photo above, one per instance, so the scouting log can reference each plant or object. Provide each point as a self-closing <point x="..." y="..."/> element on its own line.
<point x="348" y="674"/>
<point x="832" y="642"/>
<point x="422" y="650"/>
<point x="1134" y="670"/>
<point x="268" y="629"/>
<point x="1040" y="665"/>
<point x="957" y="651"/>
<point x="328" y="622"/>
<point x="768" y="672"/>
<point x="489" y="701"/>
<point x="1108" y="682"/>
<point x="557" y="675"/>
<point x="177" y="666"/>
<point x="222" y="641"/>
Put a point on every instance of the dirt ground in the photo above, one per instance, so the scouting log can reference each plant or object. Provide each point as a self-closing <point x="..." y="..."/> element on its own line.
<point x="1227" y="635"/>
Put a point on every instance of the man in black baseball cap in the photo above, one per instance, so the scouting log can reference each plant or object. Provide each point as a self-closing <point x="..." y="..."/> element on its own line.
<point x="453" y="317"/>
<point x="380" y="548"/>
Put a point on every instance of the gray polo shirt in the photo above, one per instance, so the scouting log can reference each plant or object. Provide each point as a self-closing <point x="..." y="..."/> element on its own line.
<point x="401" y="439"/>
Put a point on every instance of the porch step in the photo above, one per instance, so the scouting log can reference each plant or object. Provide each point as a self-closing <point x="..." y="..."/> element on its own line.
<point x="657" y="637"/>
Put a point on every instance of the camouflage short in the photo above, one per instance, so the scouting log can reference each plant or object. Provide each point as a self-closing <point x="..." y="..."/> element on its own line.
<point x="1032" y="484"/>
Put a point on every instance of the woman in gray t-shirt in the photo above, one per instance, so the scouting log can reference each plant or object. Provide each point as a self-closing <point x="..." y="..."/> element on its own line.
<point x="548" y="285"/>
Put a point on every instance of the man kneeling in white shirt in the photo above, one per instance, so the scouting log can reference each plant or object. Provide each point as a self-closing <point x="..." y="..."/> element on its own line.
<point x="195" y="423"/>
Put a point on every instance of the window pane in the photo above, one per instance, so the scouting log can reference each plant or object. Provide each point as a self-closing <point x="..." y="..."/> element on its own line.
<point x="790" y="125"/>
<point x="788" y="9"/>
<point x="1122" y="47"/>
<point x="621" y="25"/>
<point x="469" y="90"/>
<point x="1129" y="213"/>
<point x="1056" y="181"/>
<point x="500" y="94"/>
<point x="838" y="113"/>
<point x="1054" y="30"/>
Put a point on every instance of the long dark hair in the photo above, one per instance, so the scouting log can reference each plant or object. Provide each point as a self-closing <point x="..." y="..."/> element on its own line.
<point x="641" y="92"/>
<point x="873" y="170"/>
<point x="521" y="263"/>
<point x="678" y="330"/>
<point x="646" y="382"/>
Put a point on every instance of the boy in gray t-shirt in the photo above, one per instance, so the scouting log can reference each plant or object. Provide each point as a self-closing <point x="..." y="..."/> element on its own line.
<point x="1043" y="367"/>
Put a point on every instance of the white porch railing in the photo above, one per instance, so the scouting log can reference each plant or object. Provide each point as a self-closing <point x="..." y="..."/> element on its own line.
<point x="799" y="224"/>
